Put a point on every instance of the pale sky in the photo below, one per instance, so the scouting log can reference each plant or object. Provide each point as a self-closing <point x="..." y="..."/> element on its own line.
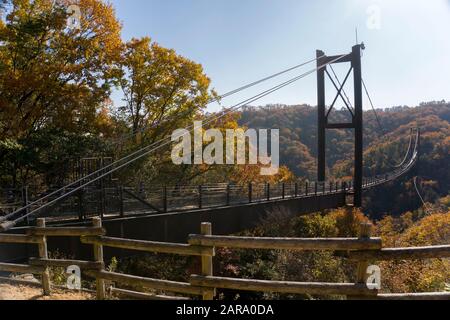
<point x="407" y="60"/>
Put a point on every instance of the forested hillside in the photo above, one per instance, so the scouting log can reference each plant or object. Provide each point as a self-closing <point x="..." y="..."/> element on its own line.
<point x="384" y="147"/>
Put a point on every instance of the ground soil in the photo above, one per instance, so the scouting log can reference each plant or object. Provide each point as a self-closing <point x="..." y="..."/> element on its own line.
<point x="21" y="292"/>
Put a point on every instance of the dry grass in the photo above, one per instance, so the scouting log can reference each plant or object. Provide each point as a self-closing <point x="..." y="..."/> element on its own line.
<point x="21" y="292"/>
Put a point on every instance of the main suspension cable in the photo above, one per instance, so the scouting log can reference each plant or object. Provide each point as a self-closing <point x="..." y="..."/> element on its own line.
<point x="163" y="142"/>
<point x="223" y="96"/>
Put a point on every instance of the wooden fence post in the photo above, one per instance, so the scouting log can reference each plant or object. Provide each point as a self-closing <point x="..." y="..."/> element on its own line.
<point x="361" y="269"/>
<point x="43" y="254"/>
<point x="98" y="256"/>
<point x="207" y="263"/>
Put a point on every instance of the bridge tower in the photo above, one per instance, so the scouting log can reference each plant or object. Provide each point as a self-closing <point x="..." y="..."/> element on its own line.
<point x="354" y="58"/>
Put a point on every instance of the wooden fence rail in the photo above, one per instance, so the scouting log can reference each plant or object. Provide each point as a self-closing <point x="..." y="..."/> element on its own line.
<point x="85" y="265"/>
<point x="415" y="296"/>
<point x="40" y="265"/>
<point x="22" y="239"/>
<point x="364" y="250"/>
<point x="282" y="286"/>
<point x="156" y="284"/>
<point x="66" y="232"/>
<point x="142" y="296"/>
<point x="419" y="253"/>
<point x="149" y="246"/>
<point x="20" y="268"/>
<point x="286" y="243"/>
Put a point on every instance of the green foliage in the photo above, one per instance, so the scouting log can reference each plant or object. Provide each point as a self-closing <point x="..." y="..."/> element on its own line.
<point x="46" y="154"/>
<point x="158" y="266"/>
<point x="58" y="275"/>
<point x="246" y="264"/>
<point x="315" y="225"/>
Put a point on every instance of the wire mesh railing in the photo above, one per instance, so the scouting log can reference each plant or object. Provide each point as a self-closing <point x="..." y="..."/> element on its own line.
<point x="119" y="201"/>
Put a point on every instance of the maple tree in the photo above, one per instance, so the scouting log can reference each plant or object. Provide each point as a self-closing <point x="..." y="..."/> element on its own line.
<point x="52" y="75"/>
<point x="162" y="90"/>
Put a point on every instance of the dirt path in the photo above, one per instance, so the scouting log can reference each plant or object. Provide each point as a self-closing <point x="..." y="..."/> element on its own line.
<point x="20" y="292"/>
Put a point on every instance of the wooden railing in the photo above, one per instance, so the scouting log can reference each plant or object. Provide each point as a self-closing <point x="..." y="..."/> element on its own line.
<point x="40" y="265"/>
<point x="364" y="250"/>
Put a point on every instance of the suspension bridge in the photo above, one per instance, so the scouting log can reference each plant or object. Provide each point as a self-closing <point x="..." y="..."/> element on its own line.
<point x="231" y="207"/>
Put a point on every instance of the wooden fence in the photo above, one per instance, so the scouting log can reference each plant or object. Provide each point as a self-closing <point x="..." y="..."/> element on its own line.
<point x="363" y="250"/>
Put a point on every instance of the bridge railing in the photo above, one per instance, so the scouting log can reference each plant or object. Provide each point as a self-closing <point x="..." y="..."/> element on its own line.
<point x="119" y="201"/>
<point x="362" y="250"/>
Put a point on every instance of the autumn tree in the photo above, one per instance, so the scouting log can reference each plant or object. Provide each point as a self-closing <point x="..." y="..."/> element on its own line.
<point x="162" y="90"/>
<point x="51" y="76"/>
<point x="50" y="73"/>
<point x="411" y="230"/>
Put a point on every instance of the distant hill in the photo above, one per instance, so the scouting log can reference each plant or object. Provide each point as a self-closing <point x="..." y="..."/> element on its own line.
<point x="298" y="147"/>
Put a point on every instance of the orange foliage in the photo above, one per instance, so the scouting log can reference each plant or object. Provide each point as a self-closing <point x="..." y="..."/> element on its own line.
<point x="348" y="221"/>
<point x="415" y="276"/>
